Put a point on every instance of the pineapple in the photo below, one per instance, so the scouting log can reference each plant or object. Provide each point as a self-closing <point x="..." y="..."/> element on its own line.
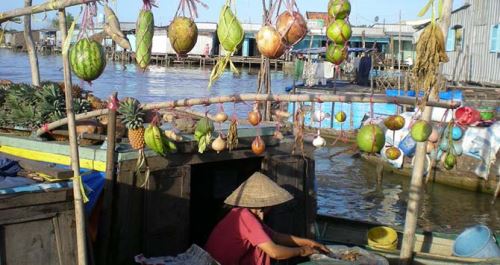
<point x="133" y="117"/>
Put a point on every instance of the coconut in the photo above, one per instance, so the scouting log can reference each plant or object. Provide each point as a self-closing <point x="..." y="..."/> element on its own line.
<point x="292" y="27"/>
<point x="420" y="131"/>
<point x="394" y="122"/>
<point x="370" y="138"/>
<point x="339" y="31"/>
<point x="336" y="54"/>
<point x="183" y="34"/>
<point x="392" y="153"/>
<point x="339" y="9"/>
<point x="269" y="42"/>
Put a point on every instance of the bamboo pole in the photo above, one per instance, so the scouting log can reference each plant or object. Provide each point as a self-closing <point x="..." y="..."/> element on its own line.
<point x="30" y="46"/>
<point x="75" y="161"/>
<point x="415" y="194"/>
<point x="110" y="183"/>
<point x="346" y="98"/>
<point x="50" y="5"/>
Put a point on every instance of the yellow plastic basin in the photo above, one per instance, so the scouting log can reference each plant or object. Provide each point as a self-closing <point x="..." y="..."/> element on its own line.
<point x="383" y="237"/>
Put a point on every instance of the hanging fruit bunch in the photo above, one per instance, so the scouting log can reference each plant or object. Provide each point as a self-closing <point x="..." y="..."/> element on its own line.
<point x="203" y="133"/>
<point x="339" y="31"/>
<point x="183" y="32"/>
<point x="144" y="35"/>
<point x="219" y="144"/>
<point x="291" y="24"/>
<point x="230" y="34"/>
<point x="430" y="52"/>
<point x="156" y="139"/>
<point x="449" y="145"/>
<point x="87" y="57"/>
<point x="112" y="28"/>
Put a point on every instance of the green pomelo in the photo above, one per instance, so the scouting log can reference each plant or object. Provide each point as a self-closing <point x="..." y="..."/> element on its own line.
<point x="336" y="54"/>
<point x="339" y="31"/>
<point x="183" y="34"/>
<point x="394" y="122"/>
<point x="339" y="9"/>
<point x="229" y="30"/>
<point x="144" y="38"/>
<point x="87" y="59"/>
<point x="421" y="131"/>
<point x="370" y="139"/>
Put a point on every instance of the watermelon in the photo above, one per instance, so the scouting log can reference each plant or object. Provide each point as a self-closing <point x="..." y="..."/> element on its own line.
<point x="339" y="31"/>
<point x="336" y="54"/>
<point x="339" y="9"/>
<point x="183" y="34"/>
<point x="144" y="38"/>
<point x="87" y="59"/>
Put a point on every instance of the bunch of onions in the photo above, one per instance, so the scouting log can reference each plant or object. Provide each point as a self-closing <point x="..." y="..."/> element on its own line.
<point x="292" y="26"/>
<point x="270" y="43"/>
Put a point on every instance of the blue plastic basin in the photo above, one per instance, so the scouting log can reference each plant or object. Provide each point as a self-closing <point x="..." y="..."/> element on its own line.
<point x="476" y="242"/>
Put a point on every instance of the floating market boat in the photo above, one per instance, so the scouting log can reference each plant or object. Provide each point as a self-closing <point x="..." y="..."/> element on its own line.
<point x="431" y="248"/>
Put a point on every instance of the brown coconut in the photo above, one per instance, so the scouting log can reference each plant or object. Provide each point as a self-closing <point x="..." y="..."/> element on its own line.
<point x="292" y="27"/>
<point x="270" y="43"/>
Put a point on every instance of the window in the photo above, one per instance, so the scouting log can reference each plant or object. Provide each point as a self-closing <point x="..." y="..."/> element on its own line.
<point x="454" y="40"/>
<point x="495" y="38"/>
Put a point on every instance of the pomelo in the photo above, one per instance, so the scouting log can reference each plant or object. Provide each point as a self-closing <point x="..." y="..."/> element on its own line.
<point x="370" y="138"/>
<point x="339" y="31"/>
<point x="421" y="130"/>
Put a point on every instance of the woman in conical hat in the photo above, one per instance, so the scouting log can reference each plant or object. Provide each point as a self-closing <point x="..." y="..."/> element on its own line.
<point x="241" y="237"/>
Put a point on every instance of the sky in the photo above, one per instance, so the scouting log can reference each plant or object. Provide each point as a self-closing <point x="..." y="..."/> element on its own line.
<point x="248" y="11"/>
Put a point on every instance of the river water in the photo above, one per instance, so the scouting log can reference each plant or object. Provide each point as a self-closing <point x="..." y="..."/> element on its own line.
<point x="346" y="186"/>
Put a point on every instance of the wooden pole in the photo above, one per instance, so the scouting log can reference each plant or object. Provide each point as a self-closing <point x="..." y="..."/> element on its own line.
<point x="107" y="208"/>
<point x="400" y="56"/>
<point x="75" y="160"/>
<point x="346" y="97"/>
<point x="30" y="46"/>
<point x="415" y="195"/>
<point x="47" y="6"/>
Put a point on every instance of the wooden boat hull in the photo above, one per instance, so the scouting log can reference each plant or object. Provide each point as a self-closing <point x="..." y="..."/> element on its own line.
<point x="430" y="247"/>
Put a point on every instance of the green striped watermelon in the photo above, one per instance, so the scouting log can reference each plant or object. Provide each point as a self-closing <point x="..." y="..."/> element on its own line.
<point x="87" y="59"/>
<point x="144" y="38"/>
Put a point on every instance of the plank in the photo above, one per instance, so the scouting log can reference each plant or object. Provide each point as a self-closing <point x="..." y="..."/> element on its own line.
<point x="36" y="198"/>
<point x="41" y="167"/>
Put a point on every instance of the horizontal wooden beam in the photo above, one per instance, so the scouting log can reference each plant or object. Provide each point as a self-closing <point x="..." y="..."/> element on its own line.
<point x="346" y="98"/>
<point x="47" y="6"/>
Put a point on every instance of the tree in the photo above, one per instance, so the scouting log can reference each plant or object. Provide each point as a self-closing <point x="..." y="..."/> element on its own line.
<point x="54" y="23"/>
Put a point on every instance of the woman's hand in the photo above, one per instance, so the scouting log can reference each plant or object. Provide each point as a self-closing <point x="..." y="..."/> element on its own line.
<point x="315" y="245"/>
<point x="306" y="251"/>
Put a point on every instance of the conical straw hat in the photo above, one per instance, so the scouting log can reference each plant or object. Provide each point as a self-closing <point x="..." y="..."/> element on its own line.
<point x="258" y="191"/>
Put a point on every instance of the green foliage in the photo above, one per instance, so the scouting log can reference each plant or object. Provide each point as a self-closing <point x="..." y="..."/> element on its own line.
<point x="54" y="23"/>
